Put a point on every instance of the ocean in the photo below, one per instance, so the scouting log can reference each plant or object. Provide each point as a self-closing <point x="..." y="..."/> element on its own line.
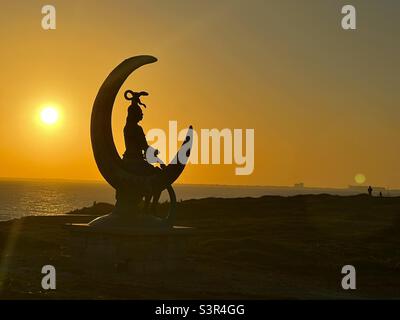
<point x="20" y="198"/>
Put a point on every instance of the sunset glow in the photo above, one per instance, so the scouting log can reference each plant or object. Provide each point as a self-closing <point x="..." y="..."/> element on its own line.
<point x="314" y="122"/>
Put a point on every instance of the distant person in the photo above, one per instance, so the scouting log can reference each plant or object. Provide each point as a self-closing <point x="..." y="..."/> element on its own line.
<point x="370" y="190"/>
<point x="380" y="194"/>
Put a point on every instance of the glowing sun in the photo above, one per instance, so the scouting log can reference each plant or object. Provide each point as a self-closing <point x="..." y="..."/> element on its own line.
<point x="49" y="115"/>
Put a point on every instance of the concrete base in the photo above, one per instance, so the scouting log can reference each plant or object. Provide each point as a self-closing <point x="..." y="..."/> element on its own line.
<point x="129" y="222"/>
<point x="130" y="251"/>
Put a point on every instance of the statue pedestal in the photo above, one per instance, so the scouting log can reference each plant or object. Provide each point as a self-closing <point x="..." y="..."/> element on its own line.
<point x="126" y="252"/>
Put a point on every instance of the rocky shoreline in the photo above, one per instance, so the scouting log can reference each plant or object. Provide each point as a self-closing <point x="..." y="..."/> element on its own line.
<point x="247" y="248"/>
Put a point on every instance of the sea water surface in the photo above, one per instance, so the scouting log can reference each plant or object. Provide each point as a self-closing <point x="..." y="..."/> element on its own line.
<point x="20" y="198"/>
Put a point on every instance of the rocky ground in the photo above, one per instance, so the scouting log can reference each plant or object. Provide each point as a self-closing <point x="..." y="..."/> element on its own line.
<point x="252" y="248"/>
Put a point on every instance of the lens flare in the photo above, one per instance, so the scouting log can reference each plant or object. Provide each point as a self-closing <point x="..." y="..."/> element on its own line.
<point x="360" y="178"/>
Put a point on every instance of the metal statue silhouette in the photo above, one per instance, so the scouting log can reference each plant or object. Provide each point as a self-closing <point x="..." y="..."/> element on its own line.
<point x="133" y="178"/>
<point x="134" y="158"/>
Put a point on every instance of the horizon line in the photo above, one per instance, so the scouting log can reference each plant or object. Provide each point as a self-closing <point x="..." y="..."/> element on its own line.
<point x="198" y="184"/>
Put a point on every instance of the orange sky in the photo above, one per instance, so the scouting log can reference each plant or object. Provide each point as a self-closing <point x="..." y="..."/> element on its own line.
<point x="323" y="101"/>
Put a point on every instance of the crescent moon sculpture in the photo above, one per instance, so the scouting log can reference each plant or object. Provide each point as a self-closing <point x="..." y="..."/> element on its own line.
<point x="130" y="187"/>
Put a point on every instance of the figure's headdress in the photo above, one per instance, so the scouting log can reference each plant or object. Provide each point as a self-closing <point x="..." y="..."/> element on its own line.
<point x="134" y="97"/>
